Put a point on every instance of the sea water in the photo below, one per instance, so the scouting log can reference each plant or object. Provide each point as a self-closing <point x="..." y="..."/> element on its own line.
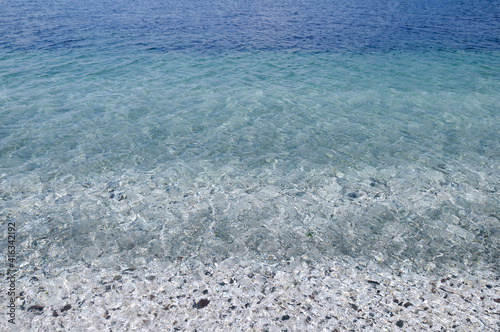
<point x="133" y="131"/>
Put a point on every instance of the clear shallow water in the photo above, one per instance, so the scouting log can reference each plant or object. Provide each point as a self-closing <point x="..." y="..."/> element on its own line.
<point x="135" y="131"/>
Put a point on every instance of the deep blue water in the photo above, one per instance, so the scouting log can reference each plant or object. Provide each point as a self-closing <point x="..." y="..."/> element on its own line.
<point x="140" y="130"/>
<point x="223" y="25"/>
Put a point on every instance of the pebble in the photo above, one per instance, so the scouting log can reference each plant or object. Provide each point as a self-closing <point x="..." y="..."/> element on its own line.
<point x="247" y="294"/>
<point x="201" y="304"/>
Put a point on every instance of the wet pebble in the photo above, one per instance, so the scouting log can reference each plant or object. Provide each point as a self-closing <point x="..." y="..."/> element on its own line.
<point x="201" y="304"/>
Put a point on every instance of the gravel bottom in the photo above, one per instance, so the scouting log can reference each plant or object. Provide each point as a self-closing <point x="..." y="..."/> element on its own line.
<point x="245" y="295"/>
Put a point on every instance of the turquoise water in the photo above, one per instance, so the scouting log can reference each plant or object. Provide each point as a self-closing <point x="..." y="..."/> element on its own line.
<point x="123" y="143"/>
<point x="78" y="113"/>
